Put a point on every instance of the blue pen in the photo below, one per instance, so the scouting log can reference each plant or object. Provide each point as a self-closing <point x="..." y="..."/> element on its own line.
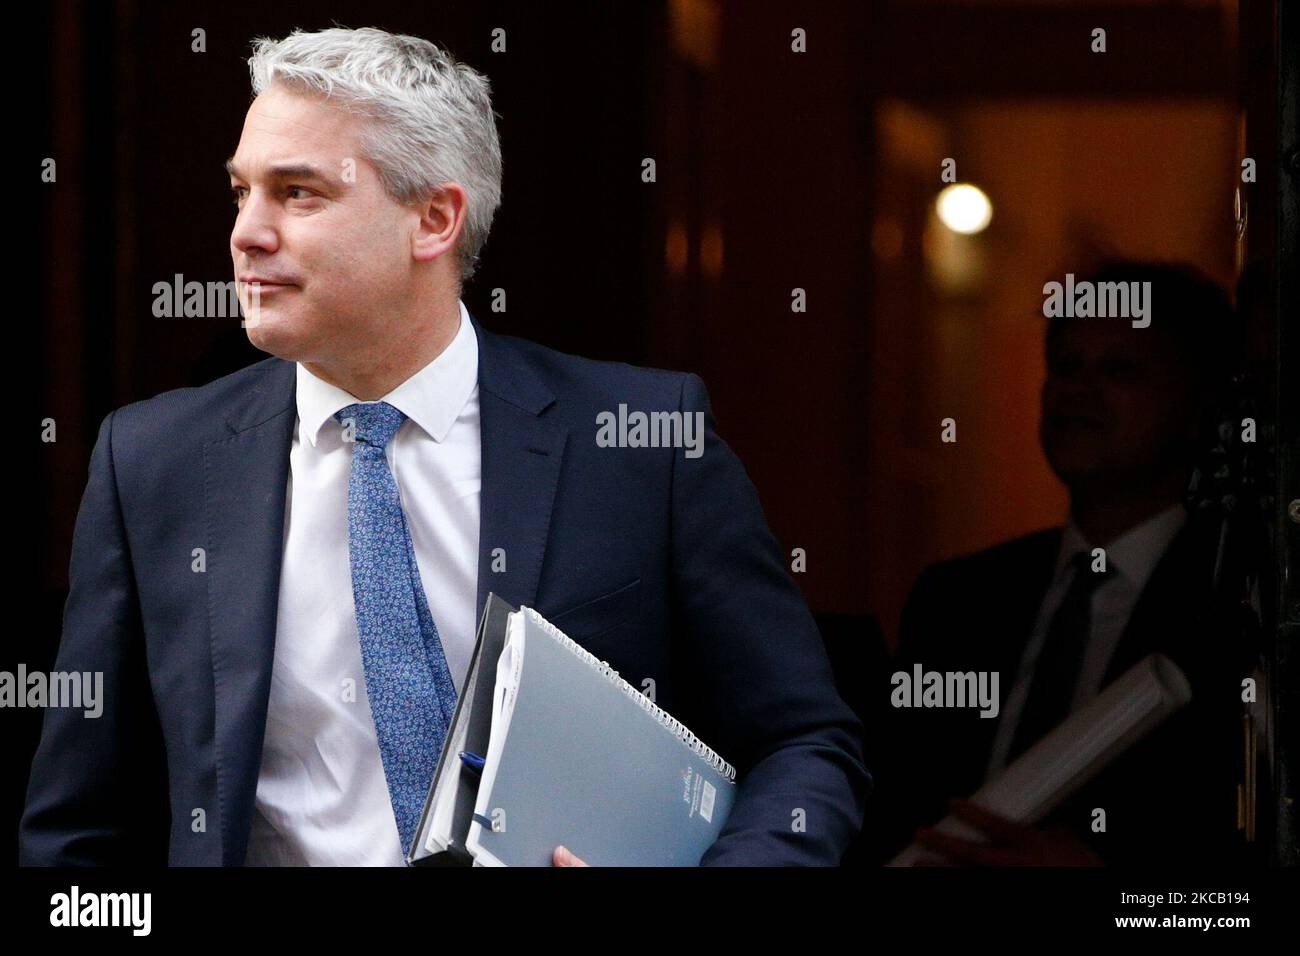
<point x="473" y="761"/>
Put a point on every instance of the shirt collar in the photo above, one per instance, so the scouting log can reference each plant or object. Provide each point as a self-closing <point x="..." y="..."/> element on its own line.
<point x="433" y="397"/>
<point x="1135" y="553"/>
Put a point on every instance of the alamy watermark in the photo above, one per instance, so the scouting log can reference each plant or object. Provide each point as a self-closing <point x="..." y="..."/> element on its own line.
<point x="922" y="688"/>
<point x="179" y="299"/>
<point x="75" y="908"/>
<point x="84" y="689"/>
<point x="1086" y="300"/>
<point x="651" y="430"/>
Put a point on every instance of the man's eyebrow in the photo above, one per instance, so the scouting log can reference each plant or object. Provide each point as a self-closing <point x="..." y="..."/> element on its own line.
<point x="285" y="171"/>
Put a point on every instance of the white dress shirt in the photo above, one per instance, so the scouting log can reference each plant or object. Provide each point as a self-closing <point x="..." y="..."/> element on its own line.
<point x="1130" y="558"/>
<point x="322" y="798"/>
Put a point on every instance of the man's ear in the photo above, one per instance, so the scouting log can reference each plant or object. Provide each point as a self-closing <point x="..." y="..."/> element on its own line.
<point x="442" y="217"/>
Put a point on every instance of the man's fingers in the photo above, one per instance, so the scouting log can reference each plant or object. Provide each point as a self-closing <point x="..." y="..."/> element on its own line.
<point x="998" y="827"/>
<point x="963" y="851"/>
<point x="564" y="857"/>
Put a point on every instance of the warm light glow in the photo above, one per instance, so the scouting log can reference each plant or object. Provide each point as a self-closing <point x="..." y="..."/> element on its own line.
<point x="676" y="249"/>
<point x="964" y="208"/>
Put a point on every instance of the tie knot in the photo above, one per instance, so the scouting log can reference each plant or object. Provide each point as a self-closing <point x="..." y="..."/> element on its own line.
<point x="1082" y="562"/>
<point x="375" y="422"/>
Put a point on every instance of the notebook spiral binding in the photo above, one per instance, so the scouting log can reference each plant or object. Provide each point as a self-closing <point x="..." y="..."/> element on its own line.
<point x="681" y="731"/>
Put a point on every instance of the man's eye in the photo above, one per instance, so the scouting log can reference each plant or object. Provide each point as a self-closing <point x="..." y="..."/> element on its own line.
<point x="237" y="193"/>
<point x="306" y="193"/>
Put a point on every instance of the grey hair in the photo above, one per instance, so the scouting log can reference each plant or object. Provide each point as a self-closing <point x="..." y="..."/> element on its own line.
<point x="433" y="116"/>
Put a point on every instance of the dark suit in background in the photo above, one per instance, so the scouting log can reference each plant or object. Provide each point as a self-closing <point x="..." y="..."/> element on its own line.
<point x="1170" y="799"/>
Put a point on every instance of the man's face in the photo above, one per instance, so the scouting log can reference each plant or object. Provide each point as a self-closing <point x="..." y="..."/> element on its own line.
<point x="333" y="256"/>
<point x="1117" y="405"/>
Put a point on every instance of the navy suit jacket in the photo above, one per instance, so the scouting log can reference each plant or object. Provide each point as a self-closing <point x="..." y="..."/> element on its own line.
<point x="659" y="563"/>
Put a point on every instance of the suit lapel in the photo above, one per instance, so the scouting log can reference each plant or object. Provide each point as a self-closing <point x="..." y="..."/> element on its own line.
<point x="1024" y="581"/>
<point x="246" y="475"/>
<point x="521" y="456"/>
<point x="1035" y="572"/>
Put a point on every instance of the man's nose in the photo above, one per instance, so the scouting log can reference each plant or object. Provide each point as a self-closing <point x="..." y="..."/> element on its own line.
<point x="1084" y="374"/>
<point x="1079" y="386"/>
<point x="255" y="229"/>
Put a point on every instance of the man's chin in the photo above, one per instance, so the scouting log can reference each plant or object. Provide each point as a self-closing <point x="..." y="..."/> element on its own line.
<point x="1101" y="472"/>
<point x="274" y="338"/>
<point x="1079" y="461"/>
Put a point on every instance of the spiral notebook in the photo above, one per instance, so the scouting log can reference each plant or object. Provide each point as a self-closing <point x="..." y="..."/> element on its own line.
<point x="577" y="756"/>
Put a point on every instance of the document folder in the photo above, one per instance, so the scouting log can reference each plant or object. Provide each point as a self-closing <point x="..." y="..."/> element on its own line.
<point x="573" y="755"/>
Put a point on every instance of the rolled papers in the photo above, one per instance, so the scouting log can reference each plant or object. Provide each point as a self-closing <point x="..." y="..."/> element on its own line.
<point x="1074" y="752"/>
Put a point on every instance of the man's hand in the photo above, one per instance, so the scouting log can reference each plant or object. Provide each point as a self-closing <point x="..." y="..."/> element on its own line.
<point x="1010" y="843"/>
<point x="563" y="857"/>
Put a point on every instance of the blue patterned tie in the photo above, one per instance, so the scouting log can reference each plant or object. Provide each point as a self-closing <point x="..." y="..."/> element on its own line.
<point x="410" y="688"/>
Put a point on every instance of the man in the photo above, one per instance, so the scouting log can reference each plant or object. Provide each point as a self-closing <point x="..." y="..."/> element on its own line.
<point x="295" y="556"/>
<point x="1122" y="408"/>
